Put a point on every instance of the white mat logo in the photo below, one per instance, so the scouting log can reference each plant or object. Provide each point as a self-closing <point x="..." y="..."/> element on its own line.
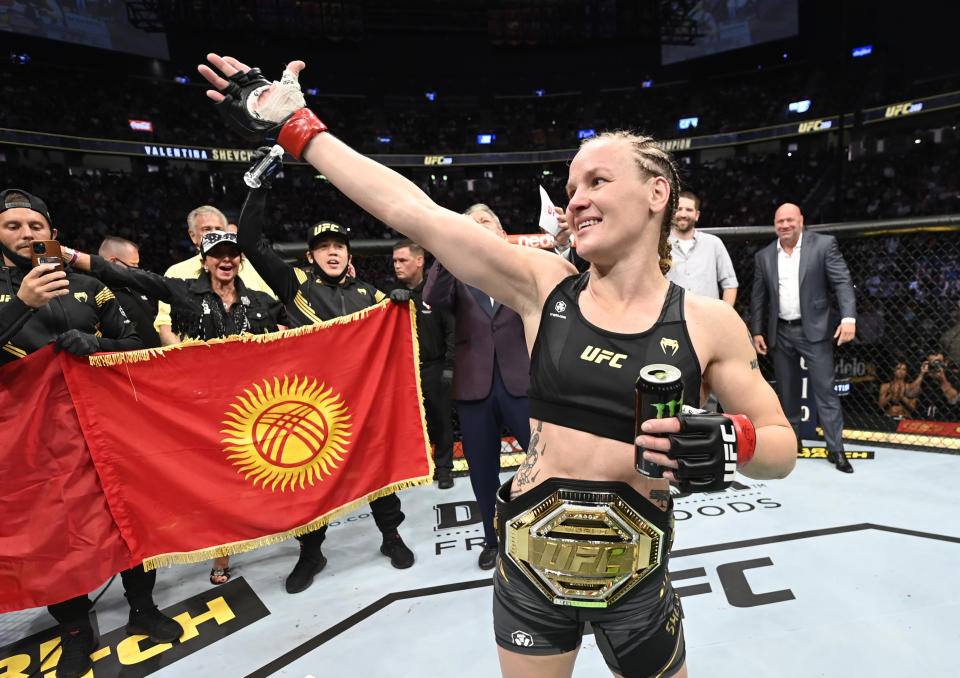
<point x="745" y="498"/>
<point x="522" y="638"/>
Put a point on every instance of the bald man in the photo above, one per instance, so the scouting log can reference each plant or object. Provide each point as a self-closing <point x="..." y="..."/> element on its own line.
<point x="140" y="309"/>
<point x="790" y="316"/>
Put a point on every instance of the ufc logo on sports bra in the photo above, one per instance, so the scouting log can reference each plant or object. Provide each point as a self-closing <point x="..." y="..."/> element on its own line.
<point x="592" y="354"/>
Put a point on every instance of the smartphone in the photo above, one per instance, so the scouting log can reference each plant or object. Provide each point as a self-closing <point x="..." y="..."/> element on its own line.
<point x="47" y="252"/>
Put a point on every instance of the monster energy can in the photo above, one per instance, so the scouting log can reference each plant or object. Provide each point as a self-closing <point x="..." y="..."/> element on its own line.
<point x="659" y="395"/>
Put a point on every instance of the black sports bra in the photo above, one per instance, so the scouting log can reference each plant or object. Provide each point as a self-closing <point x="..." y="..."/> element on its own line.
<point x="584" y="377"/>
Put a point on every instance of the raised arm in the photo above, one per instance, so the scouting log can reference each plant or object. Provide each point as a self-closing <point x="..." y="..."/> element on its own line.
<point x="277" y="273"/>
<point x="149" y="283"/>
<point x="518" y="277"/>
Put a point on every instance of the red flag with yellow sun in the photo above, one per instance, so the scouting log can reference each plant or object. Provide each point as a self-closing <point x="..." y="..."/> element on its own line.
<point x="218" y="448"/>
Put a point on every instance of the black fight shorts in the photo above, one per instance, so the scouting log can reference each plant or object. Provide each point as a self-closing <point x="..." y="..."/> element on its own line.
<point x="640" y="636"/>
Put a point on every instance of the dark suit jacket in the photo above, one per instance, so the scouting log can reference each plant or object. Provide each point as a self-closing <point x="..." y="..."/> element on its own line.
<point x="482" y="331"/>
<point x="822" y="268"/>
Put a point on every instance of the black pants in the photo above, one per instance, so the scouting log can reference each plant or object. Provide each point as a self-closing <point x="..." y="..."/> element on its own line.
<point x="480" y="423"/>
<point x="386" y="514"/>
<point x="436" y="402"/>
<point x="792" y="344"/>
<point x="137" y="587"/>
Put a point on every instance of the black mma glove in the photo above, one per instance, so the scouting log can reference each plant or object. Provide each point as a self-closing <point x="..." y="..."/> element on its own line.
<point x="400" y="296"/>
<point x="234" y="106"/>
<point x="709" y="449"/>
<point x="77" y="343"/>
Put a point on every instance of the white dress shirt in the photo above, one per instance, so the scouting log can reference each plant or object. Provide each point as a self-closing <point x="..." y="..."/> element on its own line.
<point x="788" y="276"/>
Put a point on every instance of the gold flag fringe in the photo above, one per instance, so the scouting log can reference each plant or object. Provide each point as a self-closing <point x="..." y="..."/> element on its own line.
<point x="168" y="559"/>
<point x="416" y="362"/>
<point x="143" y="355"/>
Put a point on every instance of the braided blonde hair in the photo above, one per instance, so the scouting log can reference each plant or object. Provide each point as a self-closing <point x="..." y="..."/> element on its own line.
<point x="653" y="161"/>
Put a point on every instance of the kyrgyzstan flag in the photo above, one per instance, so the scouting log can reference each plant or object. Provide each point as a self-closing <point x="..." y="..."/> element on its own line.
<point x="217" y="448"/>
<point x="57" y="538"/>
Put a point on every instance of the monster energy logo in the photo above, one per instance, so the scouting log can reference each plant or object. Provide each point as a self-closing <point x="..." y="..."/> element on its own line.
<point x="671" y="406"/>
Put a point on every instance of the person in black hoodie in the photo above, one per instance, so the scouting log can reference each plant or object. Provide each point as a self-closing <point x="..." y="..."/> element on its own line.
<point x="322" y="292"/>
<point x="47" y="304"/>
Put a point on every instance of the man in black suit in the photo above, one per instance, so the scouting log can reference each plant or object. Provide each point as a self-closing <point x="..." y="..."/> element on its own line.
<point x="491" y="376"/>
<point x="435" y="333"/>
<point x="790" y="313"/>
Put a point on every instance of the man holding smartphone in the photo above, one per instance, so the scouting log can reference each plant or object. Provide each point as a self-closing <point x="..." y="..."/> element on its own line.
<point x="45" y="304"/>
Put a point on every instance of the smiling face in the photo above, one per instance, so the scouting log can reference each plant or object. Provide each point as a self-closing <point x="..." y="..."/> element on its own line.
<point x="687" y="215"/>
<point x="611" y="201"/>
<point x="788" y="223"/>
<point x="223" y="262"/>
<point x="331" y="255"/>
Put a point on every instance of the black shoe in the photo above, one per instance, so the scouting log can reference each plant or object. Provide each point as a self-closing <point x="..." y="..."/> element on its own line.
<point x="444" y="480"/>
<point x="76" y="646"/>
<point x="840" y="460"/>
<point x="400" y="556"/>
<point x="153" y="623"/>
<point x="488" y="558"/>
<point x="307" y="566"/>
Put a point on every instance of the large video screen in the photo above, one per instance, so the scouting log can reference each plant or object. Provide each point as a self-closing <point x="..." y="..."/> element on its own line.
<point x="96" y="23"/>
<point x="733" y="24"/>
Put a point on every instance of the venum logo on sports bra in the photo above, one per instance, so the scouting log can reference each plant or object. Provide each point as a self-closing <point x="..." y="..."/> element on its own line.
<point x="592" y="354"/>
<point x="671" y="344"/>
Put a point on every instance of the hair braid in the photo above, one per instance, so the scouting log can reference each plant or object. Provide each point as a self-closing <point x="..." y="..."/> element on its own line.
<point x="653" y="161"/>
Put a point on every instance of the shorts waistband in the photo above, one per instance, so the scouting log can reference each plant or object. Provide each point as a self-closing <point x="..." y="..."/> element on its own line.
<point x="583" y="543"/>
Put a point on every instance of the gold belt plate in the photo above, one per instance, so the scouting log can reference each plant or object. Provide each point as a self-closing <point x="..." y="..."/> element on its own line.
<point x="584" y="548"/>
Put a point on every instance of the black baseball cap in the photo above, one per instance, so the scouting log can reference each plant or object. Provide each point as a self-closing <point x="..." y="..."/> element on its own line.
<point x="214" y="238"/>
<point x="9" y="201"/>
<point x="327" y="229"/>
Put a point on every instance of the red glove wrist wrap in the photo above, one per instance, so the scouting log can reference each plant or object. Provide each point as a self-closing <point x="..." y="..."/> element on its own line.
<point x="746" y="438"/>
<point x="297" y="132"/>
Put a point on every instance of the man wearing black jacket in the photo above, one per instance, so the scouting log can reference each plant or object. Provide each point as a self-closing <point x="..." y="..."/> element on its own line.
<point x="435" y="334"/>
<point x="140" y="309"/>
<point x="322" y="292"/>
<point x="44" y="305"/>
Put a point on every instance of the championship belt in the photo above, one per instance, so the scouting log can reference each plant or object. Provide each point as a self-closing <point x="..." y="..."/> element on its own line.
<point x="583" y="544"/>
